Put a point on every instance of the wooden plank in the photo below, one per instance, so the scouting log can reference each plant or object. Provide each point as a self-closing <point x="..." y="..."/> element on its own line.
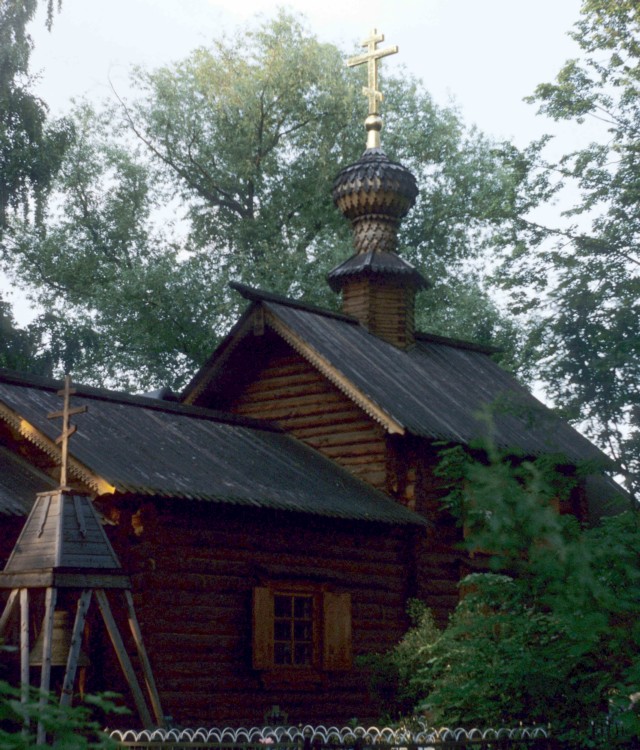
<point x="27" y="580"/>
<point x="308" y="405"/>
<point x="74" y="650"/>
<point x="123" y="658"/>
<point x="45" y="514"/>
<point x="45" y="672"/>
<point x="59" y="525"/>
<point x="80" y="559"/>
<point x="134" y="626"/>
<point x="297" y="382"/>
<point x="373" y="452"/>
<point x="262" y="628"/>
<point x="96" y="579"/>
<point x="12" y="601"/>
<point x="306" y="397"/>
<point x="24" y="648"/>
<point x="337" y="648"/>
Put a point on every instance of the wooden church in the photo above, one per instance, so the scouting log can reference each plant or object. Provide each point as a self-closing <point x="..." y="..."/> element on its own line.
<point x="274" y="520"/>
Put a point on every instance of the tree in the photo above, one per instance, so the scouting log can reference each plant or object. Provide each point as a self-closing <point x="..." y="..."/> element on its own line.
<point x="31" y="151"/>
<point x="550" y="636"/>
<point x="244" y="140"/>
<point x="587" y="341"/>
<point x="30" y="147"/>
<point x="21" y="348"/>
<point x="68" y="726"/>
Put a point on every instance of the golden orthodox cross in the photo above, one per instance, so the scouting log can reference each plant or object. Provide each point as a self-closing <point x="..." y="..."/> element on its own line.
<point x="67" y="429"/>
<point x="371" y="57"/>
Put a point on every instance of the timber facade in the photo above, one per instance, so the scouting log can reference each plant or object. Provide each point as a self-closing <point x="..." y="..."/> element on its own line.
<point x="202" y="578"/>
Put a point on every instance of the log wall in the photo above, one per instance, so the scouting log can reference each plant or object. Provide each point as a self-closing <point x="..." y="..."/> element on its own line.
<point x="292" y="393"/>
<point x="194" y="568"/>
<point x="385" y="309"/>
<point x="412" y="479"/>
<point x="289" y="391"/>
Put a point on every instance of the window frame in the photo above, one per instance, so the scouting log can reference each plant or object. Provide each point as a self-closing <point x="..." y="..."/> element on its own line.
<point x="331" y="629"/>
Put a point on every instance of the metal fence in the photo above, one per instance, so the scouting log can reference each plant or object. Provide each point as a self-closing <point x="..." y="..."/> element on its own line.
<point x="418" y="737"/>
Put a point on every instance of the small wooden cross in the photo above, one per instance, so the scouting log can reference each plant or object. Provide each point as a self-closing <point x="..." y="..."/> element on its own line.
<point x="67" y="429"/>
<point x="371" y="57"/>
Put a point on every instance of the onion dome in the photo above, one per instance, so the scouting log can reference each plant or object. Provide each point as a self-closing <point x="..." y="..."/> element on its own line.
<point x="375" y="194"/>
<point x="378" y="287"/>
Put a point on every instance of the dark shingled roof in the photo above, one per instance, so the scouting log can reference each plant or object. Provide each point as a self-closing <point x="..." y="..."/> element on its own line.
<point x="63" y="531"/>
<point x="441" y="388"/>
<point x="446" y="391"/>
<point x="149" y="447"/>
<point x="442" y="391"/>
<point x="375" y="264"/>
<point x="19" y="483"/>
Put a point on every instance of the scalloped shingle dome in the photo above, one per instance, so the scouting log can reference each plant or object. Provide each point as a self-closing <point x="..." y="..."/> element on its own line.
<point x="375" y="194"/>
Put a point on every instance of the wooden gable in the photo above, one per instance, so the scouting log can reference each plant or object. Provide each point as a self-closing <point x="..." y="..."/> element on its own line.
<point x="259" y="373"/>
<point x="288" y="390"/>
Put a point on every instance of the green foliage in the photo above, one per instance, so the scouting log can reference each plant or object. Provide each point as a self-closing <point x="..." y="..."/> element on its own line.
<point x="391" y="675"/>
<point x="21" y="348"/>
<point x="552" y="636"/>
<point x="243" y="140"/>
<point x="586" y="341"/>
<point x="31" y="148"/>
<point x="68" y="728"/>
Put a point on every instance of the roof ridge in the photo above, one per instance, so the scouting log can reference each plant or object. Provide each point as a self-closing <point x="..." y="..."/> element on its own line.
<point x="145" y="402"/>
<point x="436" y="338"/>
<point x="260" y="295"/>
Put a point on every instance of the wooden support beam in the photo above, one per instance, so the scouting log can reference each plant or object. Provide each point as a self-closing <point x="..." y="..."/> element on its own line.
<point x="45" y="675"/>
<point x="123" y="658"/>
<point x="134" y="626"/>
<point x="74" y="651"/>
<point x="8" y="610"/>
<point x="24" y="648"/>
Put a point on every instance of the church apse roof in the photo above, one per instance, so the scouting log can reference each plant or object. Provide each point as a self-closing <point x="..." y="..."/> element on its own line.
<point x="142" y="446"/>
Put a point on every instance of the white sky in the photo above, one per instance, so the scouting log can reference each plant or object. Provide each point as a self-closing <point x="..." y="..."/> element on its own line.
<point x="486" y="55"/>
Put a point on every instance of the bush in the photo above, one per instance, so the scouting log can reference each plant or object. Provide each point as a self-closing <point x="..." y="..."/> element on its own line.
<point x="551" y="636"/>
<point x="68" y="728"/>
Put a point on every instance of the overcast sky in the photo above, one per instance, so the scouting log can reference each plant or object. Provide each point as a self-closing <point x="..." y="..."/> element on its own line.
<point x="484" y="55"/>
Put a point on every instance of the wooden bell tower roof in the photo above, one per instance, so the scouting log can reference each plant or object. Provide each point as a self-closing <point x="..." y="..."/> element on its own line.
<point x="63" y="544"/>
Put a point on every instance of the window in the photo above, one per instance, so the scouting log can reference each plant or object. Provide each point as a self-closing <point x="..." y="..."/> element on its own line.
<point x="292" y="630"/>
<point x="301" y="628"/>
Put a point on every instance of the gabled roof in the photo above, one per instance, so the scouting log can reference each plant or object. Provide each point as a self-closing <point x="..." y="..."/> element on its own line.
<point x="138" y="445"/>
<point x="442" y="389"/>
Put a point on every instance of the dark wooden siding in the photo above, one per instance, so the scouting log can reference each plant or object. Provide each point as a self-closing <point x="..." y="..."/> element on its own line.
<point x="440" y="561"/>
<point x="289" y="391"/>
<point x="194" y="569"/>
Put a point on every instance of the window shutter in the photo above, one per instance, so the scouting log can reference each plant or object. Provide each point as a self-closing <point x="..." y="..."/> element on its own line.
<point x="262" y="627"/>
<point x="337" y="631"/>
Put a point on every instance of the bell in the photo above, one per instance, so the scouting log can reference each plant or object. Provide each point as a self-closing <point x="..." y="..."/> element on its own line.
<point x="60" y="643"/>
